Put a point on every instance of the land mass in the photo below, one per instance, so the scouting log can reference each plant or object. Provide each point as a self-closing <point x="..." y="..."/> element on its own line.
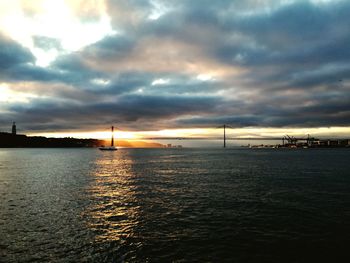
<point x="8" y="140"/>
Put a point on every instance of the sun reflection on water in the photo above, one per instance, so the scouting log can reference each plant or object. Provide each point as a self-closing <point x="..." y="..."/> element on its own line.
<point x="114" y="211"/>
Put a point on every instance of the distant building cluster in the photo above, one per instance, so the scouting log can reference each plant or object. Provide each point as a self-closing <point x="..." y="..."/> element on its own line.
<point x="169" y="145"/>
<point x="310" y="142"/>
<point x="292" y="142"/>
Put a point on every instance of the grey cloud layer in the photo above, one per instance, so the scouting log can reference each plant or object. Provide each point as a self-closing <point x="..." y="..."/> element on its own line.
<point x="279" y="65"/>
<point x="130" y="112"/>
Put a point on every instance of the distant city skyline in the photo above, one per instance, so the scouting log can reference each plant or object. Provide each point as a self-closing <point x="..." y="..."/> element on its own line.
<point x="180" y="68"/>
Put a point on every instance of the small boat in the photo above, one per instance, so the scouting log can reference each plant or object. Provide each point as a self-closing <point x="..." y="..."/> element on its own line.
<point x="112" y="147"/>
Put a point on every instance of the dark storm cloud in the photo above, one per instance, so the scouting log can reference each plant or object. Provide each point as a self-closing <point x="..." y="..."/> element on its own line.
<point x="212" y="121"/>
<point x="127" y="82"/>
<point x="74" y="71"/>
<point x="131" y="111"/>
<point x="12" y="54"/>
<point x="296" y="35"/>
<point x="330" y="109"/>
<point x="18" y="64"/>
<point x="111" y="47"/>
<point x="301" y="33"/>
<point x="29" y="72"/>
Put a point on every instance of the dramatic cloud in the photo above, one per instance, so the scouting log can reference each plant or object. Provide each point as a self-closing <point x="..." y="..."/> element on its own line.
<point x="148" y="65"/>
<point x="12" y="55"/>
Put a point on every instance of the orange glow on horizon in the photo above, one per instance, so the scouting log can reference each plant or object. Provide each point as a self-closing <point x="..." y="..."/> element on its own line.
<point x="203" y="132"/>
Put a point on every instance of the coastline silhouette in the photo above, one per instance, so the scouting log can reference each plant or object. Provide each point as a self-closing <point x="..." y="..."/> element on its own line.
<point x="14" y="140"/>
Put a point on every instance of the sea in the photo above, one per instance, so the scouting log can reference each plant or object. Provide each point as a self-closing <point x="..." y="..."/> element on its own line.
<point x="175" y="205"/>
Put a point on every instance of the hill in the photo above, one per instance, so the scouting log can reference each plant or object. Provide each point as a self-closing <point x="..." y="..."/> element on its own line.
<point x="8" y="140"/>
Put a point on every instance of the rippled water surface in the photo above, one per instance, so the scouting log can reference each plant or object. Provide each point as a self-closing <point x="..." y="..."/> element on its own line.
<point x="174" y="205"/>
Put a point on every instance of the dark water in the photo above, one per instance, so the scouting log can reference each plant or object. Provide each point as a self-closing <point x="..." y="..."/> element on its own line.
<point x="174" y="205"/>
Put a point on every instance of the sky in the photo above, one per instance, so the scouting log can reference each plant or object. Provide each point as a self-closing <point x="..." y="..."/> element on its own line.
<point x="175" y="68"/>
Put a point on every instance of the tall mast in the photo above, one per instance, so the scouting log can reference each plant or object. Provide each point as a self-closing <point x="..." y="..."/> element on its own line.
<point x="112" y="140"/>
<point x="225" y="126"/>
<point x="224" y="135"/>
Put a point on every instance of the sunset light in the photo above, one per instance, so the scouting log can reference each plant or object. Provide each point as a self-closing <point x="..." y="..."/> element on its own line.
<point x="43" y="19"/>
<point x="9" y="96"/>
<point x="174" y="131"/>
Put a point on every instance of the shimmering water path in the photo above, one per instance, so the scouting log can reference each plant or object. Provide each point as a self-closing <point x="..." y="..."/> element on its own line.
<point x="174" y="205"/>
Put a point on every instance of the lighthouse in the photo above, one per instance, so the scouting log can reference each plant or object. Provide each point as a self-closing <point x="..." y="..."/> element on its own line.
<point x="14" y="130"/>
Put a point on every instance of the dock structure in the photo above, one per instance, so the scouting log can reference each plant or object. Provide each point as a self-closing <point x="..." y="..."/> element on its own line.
<point x="291" y="141"/>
